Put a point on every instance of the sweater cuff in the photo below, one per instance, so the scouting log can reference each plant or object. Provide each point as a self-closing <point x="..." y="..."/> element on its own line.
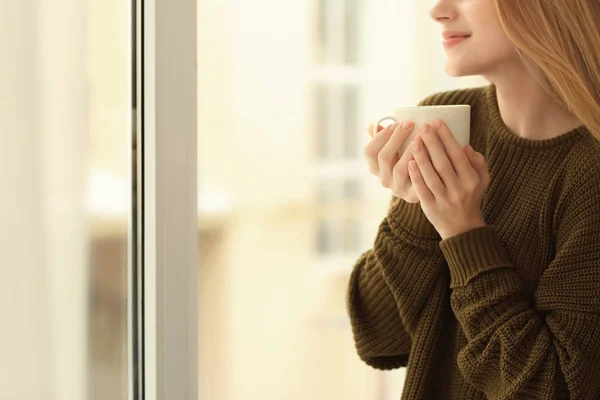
<point x="473" y="252"/>
<point x="409" y="223"/>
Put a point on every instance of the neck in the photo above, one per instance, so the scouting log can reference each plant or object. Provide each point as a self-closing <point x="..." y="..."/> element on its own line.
<point x="528" y="110"/>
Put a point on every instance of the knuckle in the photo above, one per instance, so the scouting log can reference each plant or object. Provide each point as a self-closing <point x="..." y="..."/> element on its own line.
<point x="475" y="182"/>
<point x="399" y="169"/>
<point x="383" y="157"/>
<point x="385" y="181"/>
<point x="373" y="170"/>
<point x="370" y="151"/>
<point x="456" y="154"/>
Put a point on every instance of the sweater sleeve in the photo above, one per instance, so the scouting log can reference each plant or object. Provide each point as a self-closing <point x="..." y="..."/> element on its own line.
<point x="390" y="284"/>
<point x="379" y="335"/>
<point x="539" y="346"/>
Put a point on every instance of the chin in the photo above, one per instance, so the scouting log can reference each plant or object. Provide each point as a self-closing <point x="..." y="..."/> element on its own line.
<point x="457" y="71"/>
<point x="453" y="71"/>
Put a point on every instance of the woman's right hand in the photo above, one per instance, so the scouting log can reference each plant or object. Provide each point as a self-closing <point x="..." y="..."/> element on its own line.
<point x="382" y="154"/>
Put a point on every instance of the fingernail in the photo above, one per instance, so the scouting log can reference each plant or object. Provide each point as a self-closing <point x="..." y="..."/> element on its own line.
<point x="408" y="126"/>
<point x="437" y="124"/>
<point x="425" y="128"/>
<point x="416" y="146"/>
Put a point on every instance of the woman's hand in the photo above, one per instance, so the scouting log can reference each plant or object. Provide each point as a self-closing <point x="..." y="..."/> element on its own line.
<point x="382" y="154"/>
<point x="385" y="162"/>
<point x="449" y="181"/>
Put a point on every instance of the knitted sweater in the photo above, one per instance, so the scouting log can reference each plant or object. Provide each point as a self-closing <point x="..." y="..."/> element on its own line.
<point x="510" y="310"/>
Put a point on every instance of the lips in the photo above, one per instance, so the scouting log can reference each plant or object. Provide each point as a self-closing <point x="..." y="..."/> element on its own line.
<point x="451" y="42"/>
<point x="454" y="34"/>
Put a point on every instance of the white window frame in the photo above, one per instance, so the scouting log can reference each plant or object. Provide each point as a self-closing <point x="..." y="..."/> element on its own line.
<point x="170" y="222"/>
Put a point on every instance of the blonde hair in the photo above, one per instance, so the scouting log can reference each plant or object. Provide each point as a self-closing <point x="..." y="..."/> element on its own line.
<point x="561" y="38"/>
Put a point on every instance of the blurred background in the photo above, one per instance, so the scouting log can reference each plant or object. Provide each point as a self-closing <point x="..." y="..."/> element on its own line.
<point x="286" y="90"/>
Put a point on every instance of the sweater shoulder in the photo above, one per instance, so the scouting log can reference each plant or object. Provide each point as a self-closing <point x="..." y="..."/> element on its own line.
<point x="583" y="165"/>
<point x="580" y="193"/>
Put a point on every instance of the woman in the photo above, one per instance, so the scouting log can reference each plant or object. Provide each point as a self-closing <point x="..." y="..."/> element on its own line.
<point x="484" y="277"/>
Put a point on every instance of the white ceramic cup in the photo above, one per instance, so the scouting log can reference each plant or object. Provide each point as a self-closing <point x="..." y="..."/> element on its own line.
<point x="456" y="117"/>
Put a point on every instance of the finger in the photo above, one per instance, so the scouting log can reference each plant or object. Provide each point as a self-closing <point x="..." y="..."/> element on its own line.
<point x="439" y="159"/>
<point x="419" y="138"/>
<point x="371" y="130"/>
<point x="402" y="132"/>
<point x="478" y="163"/>
<point x="400" y="175"/>
<point x="419" y="185"/>
<point x="407" y="154"/>
<point x="390" y="150"/>
<point x="373" y="148"/>
<point x="472" y="156"/>
<point x="386" y="158"/>
<point x="469" y="152"/>
<point x="453" y="149"/>
<point x="400" y="178"/>
<point x="428" y="171"/>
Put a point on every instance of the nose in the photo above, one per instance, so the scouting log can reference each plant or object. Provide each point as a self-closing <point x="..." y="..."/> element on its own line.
<point x="443" y="10"/>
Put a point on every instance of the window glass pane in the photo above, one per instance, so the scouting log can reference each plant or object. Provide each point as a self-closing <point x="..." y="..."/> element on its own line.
<point x="350" y="234"/>
<point x="65" y="157"/>
<point x="109" y="58"/>
<point x="321" y="118"/>
<point x="354" y="31"/>
<point x="320" y="33"/>
<point x="353" y="101"/>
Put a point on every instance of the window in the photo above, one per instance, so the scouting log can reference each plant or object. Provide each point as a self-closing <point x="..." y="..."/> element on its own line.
<point x="339" y="81"/>
<point x="66" y="157"/>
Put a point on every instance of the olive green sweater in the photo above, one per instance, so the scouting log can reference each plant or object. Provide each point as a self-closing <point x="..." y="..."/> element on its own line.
<point x="506" y="311"/>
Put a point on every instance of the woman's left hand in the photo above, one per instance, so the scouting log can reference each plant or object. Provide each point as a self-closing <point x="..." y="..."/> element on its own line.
<point x="450" y="189"/>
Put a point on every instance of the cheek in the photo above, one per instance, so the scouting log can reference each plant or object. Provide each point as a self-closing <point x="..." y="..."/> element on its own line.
<point x="493" y="44"/>
<point x="495" y="47"/>
<point x="496" y="39"/>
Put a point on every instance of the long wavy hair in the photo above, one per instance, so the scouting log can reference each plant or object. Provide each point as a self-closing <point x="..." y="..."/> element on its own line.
<point x="561" y="38"/>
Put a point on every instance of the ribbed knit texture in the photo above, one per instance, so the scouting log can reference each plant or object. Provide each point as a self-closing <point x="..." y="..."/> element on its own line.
<point x="510" y="310"/>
